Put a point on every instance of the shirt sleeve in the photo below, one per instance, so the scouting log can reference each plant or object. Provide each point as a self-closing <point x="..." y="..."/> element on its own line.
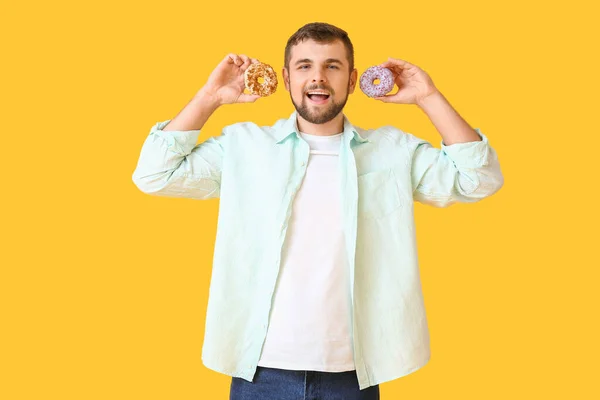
<point x="171" y="164"/>
<point x="461" y="172"/>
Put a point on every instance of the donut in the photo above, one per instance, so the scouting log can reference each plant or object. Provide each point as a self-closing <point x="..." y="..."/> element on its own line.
<point x="260" y="70"/>
<point x="386" y="81"/>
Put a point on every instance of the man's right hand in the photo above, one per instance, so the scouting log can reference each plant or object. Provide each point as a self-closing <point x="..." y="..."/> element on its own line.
<point x="226" y="83"/>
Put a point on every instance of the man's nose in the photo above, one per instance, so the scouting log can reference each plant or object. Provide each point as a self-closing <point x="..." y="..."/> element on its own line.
<point x="319" y="76"/>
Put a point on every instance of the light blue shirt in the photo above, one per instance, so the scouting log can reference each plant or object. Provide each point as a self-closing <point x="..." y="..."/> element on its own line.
<point x="257" y="170"/>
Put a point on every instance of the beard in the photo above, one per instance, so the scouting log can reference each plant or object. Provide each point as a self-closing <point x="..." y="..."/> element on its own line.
<point x="319" y="114"/>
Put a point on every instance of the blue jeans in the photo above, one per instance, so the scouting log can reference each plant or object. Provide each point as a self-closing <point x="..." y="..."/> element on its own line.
<point x="283" y="384"/>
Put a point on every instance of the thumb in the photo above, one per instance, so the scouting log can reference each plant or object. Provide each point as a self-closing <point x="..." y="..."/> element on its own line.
<point x="385" y="99"/>
<point x="248" y="98"/>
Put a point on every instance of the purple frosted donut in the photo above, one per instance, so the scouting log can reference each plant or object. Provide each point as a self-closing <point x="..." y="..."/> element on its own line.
<point x="386" y="81"/>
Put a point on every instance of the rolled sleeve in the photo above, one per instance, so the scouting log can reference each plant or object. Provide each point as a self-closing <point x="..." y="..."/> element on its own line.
<point x="461" y="172"/>
<point x="171" y="164"/>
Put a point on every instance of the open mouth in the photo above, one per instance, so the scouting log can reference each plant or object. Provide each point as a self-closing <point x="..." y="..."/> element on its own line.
<point x="318" y="98"/>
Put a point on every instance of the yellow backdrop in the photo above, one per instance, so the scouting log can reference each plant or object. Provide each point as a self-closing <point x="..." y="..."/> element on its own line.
<point x="104" y="288"/>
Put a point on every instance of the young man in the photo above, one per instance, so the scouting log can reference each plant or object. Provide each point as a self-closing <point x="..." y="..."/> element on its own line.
<point x="315" y="288"/>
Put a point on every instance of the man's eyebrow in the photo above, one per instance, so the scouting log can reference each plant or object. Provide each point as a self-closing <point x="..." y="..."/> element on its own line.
<point x="309" y="61"/>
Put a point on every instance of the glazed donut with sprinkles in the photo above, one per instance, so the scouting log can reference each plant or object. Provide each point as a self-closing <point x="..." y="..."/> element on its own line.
<point x="260" y="70"/>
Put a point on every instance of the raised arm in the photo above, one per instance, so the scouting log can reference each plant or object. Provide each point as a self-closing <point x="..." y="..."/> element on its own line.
<point x="170" y="162"/>
<point x="458" y="173"/>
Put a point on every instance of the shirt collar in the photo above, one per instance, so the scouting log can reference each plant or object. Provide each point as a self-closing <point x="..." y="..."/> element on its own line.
<point x="291" y="127"/>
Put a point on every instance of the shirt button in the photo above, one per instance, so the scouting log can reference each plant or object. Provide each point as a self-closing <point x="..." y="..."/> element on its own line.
<point x="302" y="164"/>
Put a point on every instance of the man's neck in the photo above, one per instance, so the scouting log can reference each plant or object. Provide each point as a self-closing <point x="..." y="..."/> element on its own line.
<point x="333" y="127"/>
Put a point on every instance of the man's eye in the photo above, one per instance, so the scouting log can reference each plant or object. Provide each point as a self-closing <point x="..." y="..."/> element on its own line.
<point x="331" y="66"/>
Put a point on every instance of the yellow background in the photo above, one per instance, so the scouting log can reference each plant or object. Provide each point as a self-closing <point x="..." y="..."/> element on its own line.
<point x="104" y="288"/>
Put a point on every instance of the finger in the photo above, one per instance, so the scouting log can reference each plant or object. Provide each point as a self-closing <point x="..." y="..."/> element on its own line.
<point x="247" y="62"/>
<point x="385" y="99"/>
<point x="255" y="61"/>
<point x="399" y="63"/>
<point x="248" y="98"/>
<point x="396" y="65"/>
<point x="230" y="58"/>
<point x="245" y="58"/>
<point x="236" y="59"/>
<point x="395" y="69"/>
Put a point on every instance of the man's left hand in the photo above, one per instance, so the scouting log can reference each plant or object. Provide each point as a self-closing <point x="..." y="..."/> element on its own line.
<point x="414" y="84"/>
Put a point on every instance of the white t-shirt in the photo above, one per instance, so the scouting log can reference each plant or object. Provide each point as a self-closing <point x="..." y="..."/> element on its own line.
<point x="309" y="324"/>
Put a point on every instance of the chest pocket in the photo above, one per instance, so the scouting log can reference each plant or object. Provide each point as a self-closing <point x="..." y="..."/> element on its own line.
<point x="378" y="194"/>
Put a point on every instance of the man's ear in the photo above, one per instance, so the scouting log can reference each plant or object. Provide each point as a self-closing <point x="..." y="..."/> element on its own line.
<point x="353" y="79"/>
<point x="286" y="78"/>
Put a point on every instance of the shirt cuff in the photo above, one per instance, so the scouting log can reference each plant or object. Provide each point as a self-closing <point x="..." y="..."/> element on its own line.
<point x="468" y="154"/>
<point x="181" y="142"/>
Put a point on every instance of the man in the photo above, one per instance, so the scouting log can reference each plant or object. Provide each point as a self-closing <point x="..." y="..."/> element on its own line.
<point x="315" y="289"/>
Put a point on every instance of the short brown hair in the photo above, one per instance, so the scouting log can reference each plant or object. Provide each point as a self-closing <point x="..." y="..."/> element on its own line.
<point x="319" y="32"/>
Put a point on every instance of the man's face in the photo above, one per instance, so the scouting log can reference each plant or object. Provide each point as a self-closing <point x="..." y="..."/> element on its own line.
<point x="319" y="67"/>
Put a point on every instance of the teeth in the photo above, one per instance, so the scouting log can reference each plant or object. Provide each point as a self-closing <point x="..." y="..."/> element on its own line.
<point x="324" y="93"/>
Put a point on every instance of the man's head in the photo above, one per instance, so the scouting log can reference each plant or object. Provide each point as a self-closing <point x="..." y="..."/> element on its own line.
<point x="319" y="57"/>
